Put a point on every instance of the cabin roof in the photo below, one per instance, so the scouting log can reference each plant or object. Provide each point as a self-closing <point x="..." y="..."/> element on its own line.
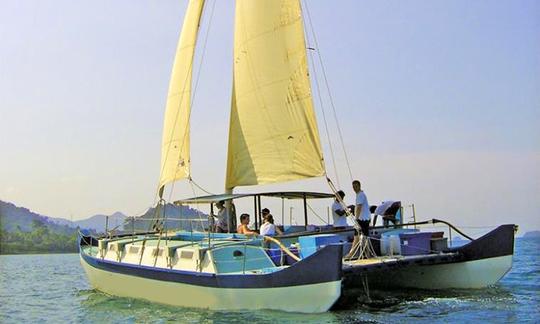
<point x="277" y="194"/>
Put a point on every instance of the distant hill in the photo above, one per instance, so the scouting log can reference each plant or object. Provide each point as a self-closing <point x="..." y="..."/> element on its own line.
<point x="178" y="217"/>
<point x="13" y="218"/>
<point x="532" y="234"/>
<point x="97" y="222"/>
<point x="24" y="231"/>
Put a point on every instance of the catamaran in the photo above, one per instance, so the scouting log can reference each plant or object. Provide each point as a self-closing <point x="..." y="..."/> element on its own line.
<point x="273" y="138"/>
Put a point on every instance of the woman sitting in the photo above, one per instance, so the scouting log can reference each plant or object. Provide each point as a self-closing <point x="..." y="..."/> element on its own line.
<point x="268" y="228"/>
<point x="243" y="227"/>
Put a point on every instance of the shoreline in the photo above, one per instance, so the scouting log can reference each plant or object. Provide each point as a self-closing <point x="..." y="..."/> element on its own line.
<point x="38" y="253"/>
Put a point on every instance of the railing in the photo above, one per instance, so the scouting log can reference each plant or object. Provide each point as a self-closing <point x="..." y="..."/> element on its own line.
<point x="344" y="230"/>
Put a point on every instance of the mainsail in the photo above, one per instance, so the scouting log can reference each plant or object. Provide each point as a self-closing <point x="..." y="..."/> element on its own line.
<point x="175" y="159"/>
<point x="273" y="134"/>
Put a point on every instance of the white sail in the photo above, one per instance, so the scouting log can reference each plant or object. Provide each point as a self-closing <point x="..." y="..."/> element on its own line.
<point x="175" y="150"/>
<point x="273" y="134"/>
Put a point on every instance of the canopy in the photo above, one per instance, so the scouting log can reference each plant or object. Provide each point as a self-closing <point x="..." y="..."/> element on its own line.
<point x="278" y="194"/>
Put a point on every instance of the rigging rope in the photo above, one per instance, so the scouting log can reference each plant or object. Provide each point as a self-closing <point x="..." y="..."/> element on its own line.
<point x="314" y="213"/>
<point x="197" y="78"/>
<point x="200" y="188"/>
<point x="197" y="209"/>
<point x="328" y="89"/>
<point x="321" y="103"/>
<point x="127" y="219"/>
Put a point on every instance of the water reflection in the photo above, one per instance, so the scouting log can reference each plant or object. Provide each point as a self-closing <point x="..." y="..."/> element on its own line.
<point x="101" y="307"/>
<point x="391" y="298"/>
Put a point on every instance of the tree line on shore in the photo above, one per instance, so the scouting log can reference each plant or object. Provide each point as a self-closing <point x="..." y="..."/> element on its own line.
<point x="39" y="240"/>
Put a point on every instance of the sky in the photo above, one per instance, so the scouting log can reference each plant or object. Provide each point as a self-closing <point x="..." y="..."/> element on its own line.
<point x="438" y="103"/>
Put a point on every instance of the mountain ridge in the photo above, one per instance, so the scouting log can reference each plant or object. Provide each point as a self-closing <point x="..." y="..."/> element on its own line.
<point x="18" y="218"/>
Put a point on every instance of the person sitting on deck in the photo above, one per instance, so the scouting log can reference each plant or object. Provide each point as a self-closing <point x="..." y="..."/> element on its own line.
<point x="268" y="228"/>
<point x="222" y="217"/>
<point x="338" y="213"/>
<point x="243" y="227"/>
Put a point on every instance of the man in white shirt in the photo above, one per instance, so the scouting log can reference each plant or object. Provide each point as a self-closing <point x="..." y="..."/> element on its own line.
<point x="361" y="209"/>
<point x="361" y="214"/>
<point x="338" y="214"/>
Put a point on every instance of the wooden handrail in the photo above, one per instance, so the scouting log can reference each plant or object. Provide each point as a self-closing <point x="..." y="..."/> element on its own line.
<point x="282" y="247"/>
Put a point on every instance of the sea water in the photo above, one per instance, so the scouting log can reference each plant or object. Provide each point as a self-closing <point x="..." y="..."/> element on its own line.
<point x="53" y="288"/>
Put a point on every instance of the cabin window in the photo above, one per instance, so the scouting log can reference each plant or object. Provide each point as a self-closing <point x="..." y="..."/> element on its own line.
<point x="186" y="254"/>
<point x="238" y="254"/>
<point x="134" y="249"/>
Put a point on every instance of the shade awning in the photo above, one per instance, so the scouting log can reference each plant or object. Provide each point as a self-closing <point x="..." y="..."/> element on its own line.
<point x="277" y="194"/>
<point x="209" y="199"/>
<point x="297" y="195"/>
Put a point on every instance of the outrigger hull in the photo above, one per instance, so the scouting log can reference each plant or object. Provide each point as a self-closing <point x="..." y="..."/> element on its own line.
<point x="310" y="286"/>
<point x="459" y="275"/>
<point x="479" y="264"/>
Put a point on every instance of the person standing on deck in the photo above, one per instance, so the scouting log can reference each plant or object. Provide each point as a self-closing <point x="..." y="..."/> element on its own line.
<point x="361" y="214"/>
<point x="361" y="208"/>
<point x="222" y="218"/>
<point x="338" y="214"/>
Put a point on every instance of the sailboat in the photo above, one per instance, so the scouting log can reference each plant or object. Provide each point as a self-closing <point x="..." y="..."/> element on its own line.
<point x="273" y="138"/>
<point x="271" y="92"/>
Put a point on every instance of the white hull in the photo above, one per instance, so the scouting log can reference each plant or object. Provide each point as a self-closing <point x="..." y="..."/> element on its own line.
<point x="305" y="298"/>
<point x="460" y="275"/>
